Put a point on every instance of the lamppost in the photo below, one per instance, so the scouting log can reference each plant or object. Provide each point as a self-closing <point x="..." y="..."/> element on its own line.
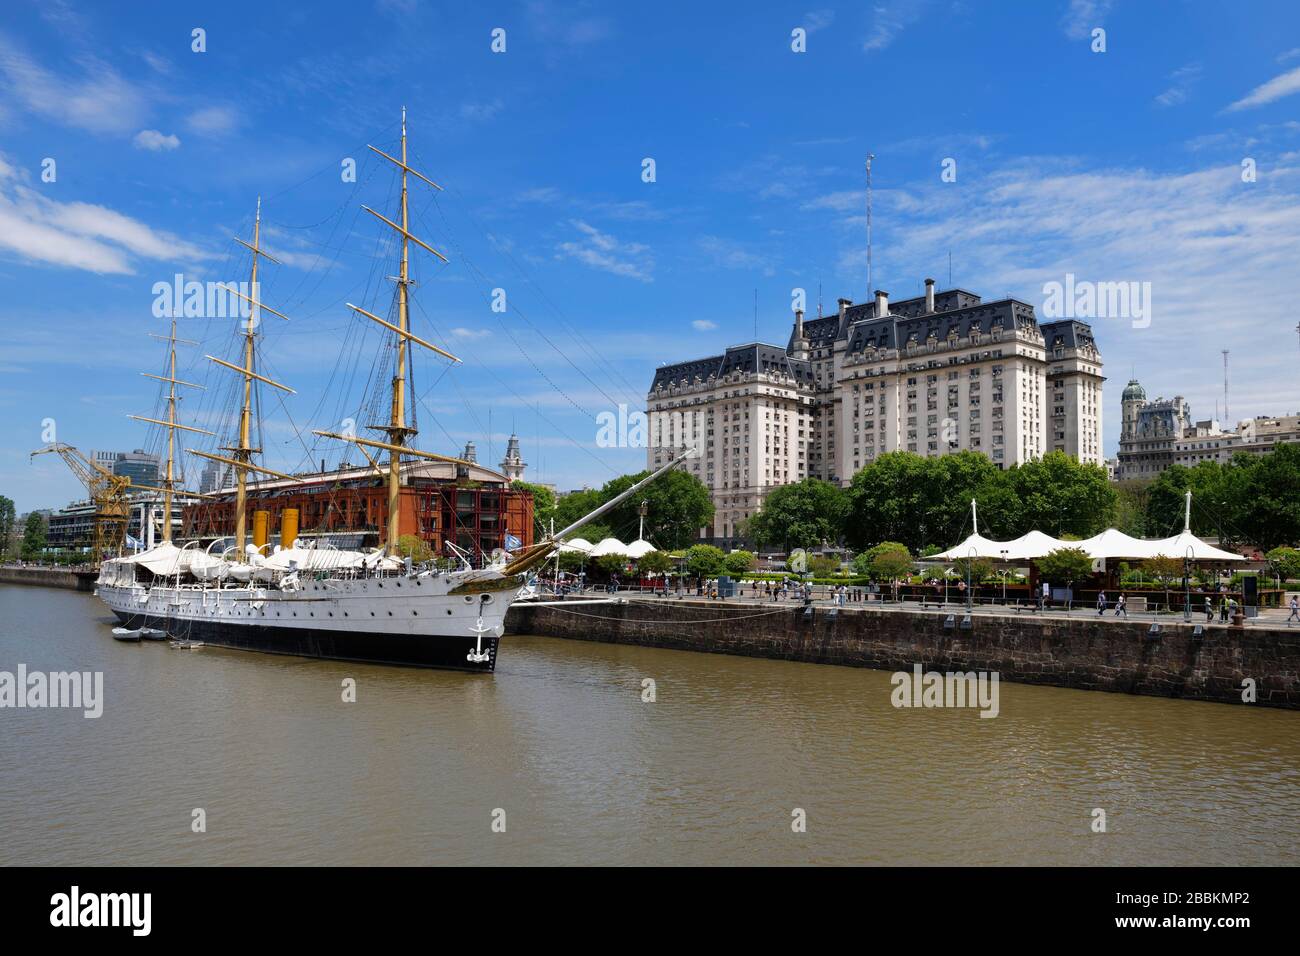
<point x="1187" y="584"/>
<point x="1003" y="574"/>
<point x="970" y="563"/>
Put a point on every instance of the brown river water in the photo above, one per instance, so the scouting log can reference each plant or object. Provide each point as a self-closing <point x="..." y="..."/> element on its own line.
<point x="585" y="771"/>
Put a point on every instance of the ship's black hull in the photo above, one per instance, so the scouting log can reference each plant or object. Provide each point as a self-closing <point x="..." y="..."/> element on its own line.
<point x="447" y="653"/>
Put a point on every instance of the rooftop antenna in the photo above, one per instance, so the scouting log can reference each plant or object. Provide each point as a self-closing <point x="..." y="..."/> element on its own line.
<point x="949" y="268"/>
<point x="819" y="302"/>
<point x="870" y="157"/>
<point x="1226" y="414"/>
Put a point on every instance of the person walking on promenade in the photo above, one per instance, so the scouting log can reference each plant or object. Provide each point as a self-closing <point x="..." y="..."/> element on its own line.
<point x="1045" y="596"/>
<point x="1121" y="607"/>
<point x="1209" y="610"/>
<point x="1295" y="610"/>
<point x="1101" y="603"/>
<point x="1223" y="610"/>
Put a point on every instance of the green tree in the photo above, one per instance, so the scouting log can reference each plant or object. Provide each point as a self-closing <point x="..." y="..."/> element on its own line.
<point x="1132" y="499"/>
<point x="823" y="567"/>
<point x="977" y="569"/>
<point x="1285" y="562"/>
<point x="543" y="505"/>
<point x="888" y="561"/>
<point x="34" y="535"/>
<point x="569" y="508"/>
<point x="704" y="560"/>
<point x="1060" y="495"/>
<point x="655" y="562"/>
<point x="678" y="505"/>
<point x="1066" y="565"/>
<point x="1213" y="499"/>
<point x="740" y="562"/>
<point x="8" y="525"/>
<point x="889" y="500"/>
<point x="1266" y="502"/>
<point x="611" y="564"/>
<point x="800" y="515"/>
<point x="414" y="547"/>
<point x="1164" y="569"/>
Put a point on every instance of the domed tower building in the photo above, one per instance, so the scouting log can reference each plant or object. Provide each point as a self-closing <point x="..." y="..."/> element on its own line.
<point x="1131" y="403"/>
<point x="1151" y="432"/>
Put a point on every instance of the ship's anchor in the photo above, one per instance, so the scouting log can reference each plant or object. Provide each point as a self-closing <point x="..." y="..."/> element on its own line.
<point x="478" y="655"/>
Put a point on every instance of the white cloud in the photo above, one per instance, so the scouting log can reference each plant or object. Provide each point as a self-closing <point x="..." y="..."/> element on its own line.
<point x="602" y="251"/>
<point x="155" y="141"/>
<point x="818" y="20"/>
<point x="889" y="19"/>
<point x="728" y="254"/>
<point x="79" y="235"/>
<point x="1182" y="80"/>
<point x="1274" y="89"/>
<point x="159" y="64"/>
<point x="1083" y="16"/>
<point x="461" y="332"/>
<point x="704" y="325"/>
<point x="1207" y="242"/>
<point x="99" y="100"/>
<point x="213" y="121"/>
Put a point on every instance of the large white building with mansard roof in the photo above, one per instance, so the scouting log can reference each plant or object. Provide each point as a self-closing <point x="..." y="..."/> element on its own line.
<point x="935" y="374"/>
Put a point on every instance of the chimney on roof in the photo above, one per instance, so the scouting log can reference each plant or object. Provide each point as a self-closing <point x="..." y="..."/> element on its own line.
<point x="882" y="303"/>
<point x="844" y="305"/>
<point x="929" y="296"/>
<point x="800" y="340"/>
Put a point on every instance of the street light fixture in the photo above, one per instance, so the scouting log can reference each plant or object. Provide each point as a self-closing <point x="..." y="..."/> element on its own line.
<point x="970" y="564"/>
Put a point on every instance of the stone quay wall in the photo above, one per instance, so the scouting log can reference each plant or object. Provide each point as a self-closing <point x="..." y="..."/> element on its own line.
<point x="1080" y="652"/>
<point x="49" y="577"/>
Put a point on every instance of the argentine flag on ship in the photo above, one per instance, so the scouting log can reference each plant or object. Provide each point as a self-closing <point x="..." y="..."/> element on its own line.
<point x="512" y="542"/>
<point x="133" y="543"/>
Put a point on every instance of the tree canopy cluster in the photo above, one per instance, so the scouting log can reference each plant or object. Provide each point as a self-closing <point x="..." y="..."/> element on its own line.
<point x="1253" y="499"/>
<point x="923" y="503"/>
<point x="678" y="505"/>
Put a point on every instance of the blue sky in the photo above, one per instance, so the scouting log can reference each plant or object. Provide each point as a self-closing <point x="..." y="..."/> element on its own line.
<point x="1123" y="165"/>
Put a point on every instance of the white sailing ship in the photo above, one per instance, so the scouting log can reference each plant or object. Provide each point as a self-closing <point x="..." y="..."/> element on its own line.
<point x="320" y="601"/>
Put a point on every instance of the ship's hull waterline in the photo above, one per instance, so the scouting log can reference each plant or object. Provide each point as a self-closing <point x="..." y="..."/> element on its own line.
<point x="413" y="622"/>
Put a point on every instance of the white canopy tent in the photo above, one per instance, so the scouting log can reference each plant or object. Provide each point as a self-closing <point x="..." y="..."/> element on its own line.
<point x="609" y="546"/>
<point x="577" y="546"/>
<point x="1109" y="544"/>
<point x="639" y="548"/>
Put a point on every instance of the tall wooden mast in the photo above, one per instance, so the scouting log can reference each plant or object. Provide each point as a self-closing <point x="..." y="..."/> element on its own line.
<point x="397" y="430"/>
<point x="169" y="475"/>
<point x="241" y="455"/>
<point x="244" y="452"/>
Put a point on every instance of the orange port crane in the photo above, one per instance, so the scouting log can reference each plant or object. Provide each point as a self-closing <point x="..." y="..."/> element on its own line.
<point x="106" y="490"/>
